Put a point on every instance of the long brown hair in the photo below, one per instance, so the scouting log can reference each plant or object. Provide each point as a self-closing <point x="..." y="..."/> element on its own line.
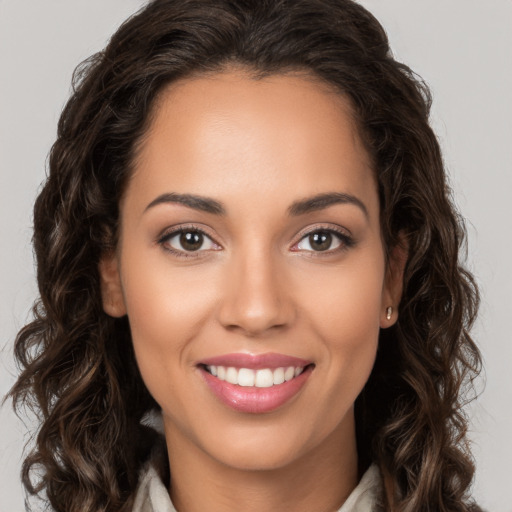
<point x="78" y="370"/>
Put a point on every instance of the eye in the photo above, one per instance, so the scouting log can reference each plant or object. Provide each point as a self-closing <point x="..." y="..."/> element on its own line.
<point x="323" y="240"/>
<point x="188" y="240"/>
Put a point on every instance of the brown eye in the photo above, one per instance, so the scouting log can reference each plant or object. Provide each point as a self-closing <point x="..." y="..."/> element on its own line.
<point x="191" y="240"/>
<point x="188" y="240"/>
<point x="320" y="240"/>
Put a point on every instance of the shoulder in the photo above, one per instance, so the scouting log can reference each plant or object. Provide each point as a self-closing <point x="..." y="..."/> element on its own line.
<point x="367" y="496"/>
<point x="152" y="494"/>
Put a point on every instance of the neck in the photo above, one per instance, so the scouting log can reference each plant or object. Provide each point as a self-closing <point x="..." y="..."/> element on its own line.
<point x="320" y="480"/>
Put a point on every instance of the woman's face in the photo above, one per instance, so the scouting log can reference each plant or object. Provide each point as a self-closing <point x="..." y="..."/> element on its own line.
<point x="250" y="244"/>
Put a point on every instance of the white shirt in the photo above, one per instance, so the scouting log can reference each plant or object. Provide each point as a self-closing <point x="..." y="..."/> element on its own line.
<point x="152" y="495"/>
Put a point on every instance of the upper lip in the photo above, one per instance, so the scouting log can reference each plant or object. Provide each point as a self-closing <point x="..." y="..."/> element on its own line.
<point x="255" y="361"/>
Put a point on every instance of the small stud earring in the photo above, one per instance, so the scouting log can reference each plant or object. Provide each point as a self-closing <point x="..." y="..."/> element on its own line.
<point x="389" y="312"/>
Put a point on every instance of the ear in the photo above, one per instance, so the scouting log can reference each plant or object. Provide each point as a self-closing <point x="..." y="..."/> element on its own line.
<point x="393" y="282"/>
<point x="111" y="289"/>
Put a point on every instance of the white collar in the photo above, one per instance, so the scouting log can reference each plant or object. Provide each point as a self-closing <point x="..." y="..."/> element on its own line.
<point x="152" y="495"/>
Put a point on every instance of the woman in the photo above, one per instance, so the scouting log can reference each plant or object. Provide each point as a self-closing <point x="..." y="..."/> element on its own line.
<point x="246" y="231"/>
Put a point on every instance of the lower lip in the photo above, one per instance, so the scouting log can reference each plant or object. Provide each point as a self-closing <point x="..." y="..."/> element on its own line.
<point x="252" y="399"/>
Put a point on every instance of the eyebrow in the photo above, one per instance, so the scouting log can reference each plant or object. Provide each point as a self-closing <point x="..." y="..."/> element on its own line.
<point x="321" y="201"/>
<point x="204" y="204"/>
<point x="307" y="205"/>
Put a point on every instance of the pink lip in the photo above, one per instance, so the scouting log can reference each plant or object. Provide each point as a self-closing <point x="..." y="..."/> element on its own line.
<point x="252" y="399"/>
<point x="255" y="362"/>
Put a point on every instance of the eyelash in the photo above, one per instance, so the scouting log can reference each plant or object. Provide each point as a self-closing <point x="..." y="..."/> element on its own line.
<point x="346" y="241"/>
<point x="164" y="239"/>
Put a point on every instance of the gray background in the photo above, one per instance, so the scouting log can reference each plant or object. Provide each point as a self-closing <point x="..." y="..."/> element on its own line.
<point x="460" y="47"/>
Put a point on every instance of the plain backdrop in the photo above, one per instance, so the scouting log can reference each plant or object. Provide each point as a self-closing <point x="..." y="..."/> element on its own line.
<point x="462" y="48"/>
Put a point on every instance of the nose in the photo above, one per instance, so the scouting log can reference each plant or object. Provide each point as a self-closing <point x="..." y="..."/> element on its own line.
<point x="257" y="299"/>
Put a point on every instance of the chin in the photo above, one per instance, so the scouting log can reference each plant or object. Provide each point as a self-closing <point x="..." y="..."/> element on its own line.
<point x="257" y="459"/>
<point x="271" y="446"/>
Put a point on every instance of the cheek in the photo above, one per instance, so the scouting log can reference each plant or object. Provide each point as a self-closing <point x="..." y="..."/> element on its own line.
<point x="344" y="303"/>
<point x="166" y="309"/>
<point x="342" y="309"/>
<point x="163" y="301"/>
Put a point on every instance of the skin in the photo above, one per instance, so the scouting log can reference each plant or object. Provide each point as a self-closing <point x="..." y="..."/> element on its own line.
<point x="256" y="147"/>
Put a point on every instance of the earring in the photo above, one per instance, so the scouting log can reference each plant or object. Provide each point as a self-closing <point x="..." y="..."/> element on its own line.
<point x="389" y="312"/>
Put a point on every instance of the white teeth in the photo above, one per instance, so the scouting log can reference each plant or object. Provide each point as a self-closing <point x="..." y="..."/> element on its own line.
<point x="221" y="372"/>
<point x="263" y="378"/>
<point x="289" y="373"/>
<point x="232" y="375"/>
<point x="246" y="377"/>
<point x="278" y="375"/>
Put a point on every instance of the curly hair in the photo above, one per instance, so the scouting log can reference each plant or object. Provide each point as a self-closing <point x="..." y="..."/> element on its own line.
<point x="78" y="369"/>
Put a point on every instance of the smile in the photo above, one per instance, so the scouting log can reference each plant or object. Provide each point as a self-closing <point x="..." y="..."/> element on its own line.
<point x="255" y="383"/>
<point x="247" y="377"/>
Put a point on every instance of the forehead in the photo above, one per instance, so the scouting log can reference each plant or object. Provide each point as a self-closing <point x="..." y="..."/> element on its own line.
<point x="224" y="133"/>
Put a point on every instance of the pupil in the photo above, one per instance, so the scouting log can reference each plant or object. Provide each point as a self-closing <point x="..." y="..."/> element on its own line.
<point x="191" y="240"/>
<point x="320" y="241"/>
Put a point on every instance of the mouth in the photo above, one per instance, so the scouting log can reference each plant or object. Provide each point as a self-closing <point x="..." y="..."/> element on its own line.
<point x="247" y="377"/>
<point x="255" y="384"/>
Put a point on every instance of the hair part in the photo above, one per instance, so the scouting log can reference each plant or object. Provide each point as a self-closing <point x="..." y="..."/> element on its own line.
<point x="78" y="367"/>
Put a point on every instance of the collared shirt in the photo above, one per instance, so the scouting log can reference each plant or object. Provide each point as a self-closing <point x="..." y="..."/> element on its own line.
<point x="152" y="495"/>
